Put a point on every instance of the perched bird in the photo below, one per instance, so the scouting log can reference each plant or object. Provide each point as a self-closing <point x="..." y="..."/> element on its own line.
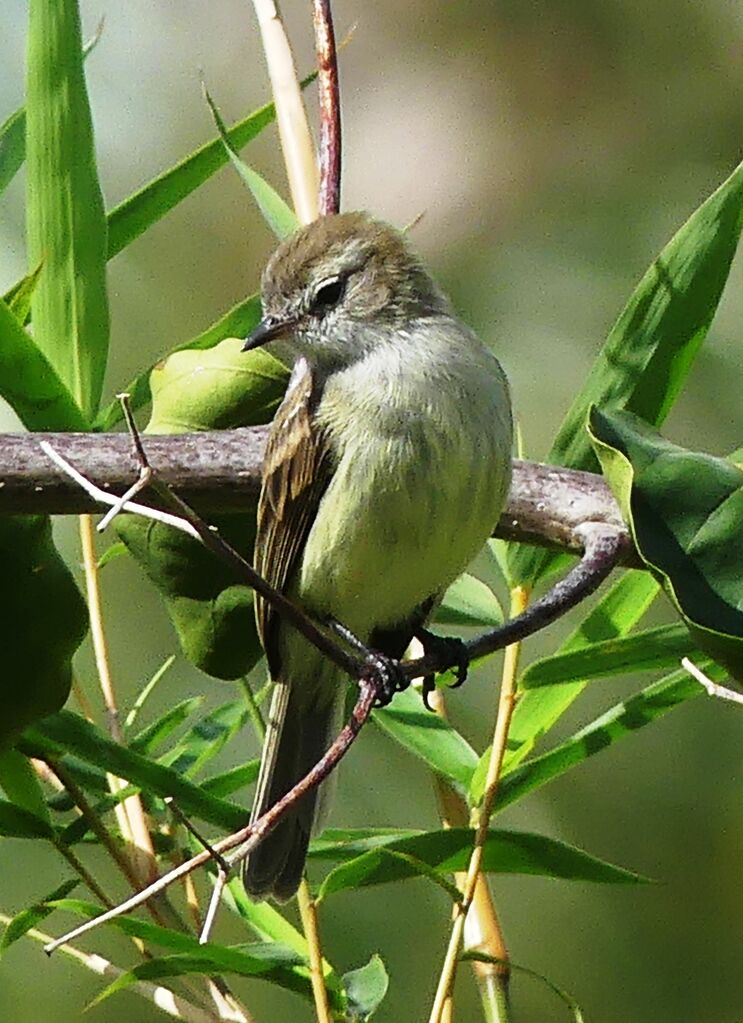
<point x="387" y="467"/>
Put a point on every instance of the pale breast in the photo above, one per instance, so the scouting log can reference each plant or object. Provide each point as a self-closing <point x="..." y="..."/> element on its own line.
<point x="422" y="474"/>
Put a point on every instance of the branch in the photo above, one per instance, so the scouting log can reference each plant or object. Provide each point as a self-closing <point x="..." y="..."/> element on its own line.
<point x="220" y="471"/>
<point x="330" y="108"/>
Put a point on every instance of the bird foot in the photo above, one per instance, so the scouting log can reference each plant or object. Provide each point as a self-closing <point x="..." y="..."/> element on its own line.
<point x="387" y="672"/>
<point x="449" y="649"/>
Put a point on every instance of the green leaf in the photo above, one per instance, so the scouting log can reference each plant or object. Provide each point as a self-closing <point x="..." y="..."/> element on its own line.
<point x="215" y="389"/>
<point x="650" y="349"/>
<point x="536" y="712"/>
<point x="622" y="719"/>
<point x="685" y="510"/>
<point x="227" y="782"/>
<point x="21" y="784"/>
<point x="13" y="134"/>
<point x="15" y="822"/>
<point x="662" y="647"/>
<point x="235" y="323"/>
<point x="265" y="962"/>
<point x="475" y="956"/>
<point x="12" y="147"/>
<point x="66" y="223"/>
<point x="468" y="601"/>
<point x="28" y="918"/>
<point x="147" y="690"/>
<point x="143" y="209"/>
<point x="278" y="215"/>
<point x="18" y="298"/>
<point x="147" y="741"/>
<point x="505" y="852"/>
<point x="365" y="989"/>
<point x="206" y="738"/>
<point x="43" y="620"/>
<point x="66" y="732"/>
<point x="428" y="737"/>
<point x="112" y="552"/>
<point x="341" y="844"/>
<point x="29" y="383"/>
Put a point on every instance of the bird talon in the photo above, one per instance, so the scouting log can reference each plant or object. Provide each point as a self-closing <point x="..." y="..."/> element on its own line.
<point x="428" y="686"/>
<point x="448" y="648"/>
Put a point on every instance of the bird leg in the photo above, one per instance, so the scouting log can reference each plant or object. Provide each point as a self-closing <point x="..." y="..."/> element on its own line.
<point x="385" y="670"/>
<point x="446" y="648"/>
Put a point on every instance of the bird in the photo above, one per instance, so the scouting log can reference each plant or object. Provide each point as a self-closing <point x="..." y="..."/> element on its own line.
<point x="387" y="466"/>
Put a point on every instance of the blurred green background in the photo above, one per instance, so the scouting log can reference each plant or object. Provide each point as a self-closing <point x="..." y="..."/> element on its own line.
<point x="553" y="148"/>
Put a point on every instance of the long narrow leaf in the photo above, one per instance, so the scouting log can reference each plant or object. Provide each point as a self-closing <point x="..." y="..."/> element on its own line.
<point x="66" y="223"/>
<point x="67" y="732"/>
<point x="623" y="719"/>
<point x="30" y="384"/>
<point x="648" y="354"/>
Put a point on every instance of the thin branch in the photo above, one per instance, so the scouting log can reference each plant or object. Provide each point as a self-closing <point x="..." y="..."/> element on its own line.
<point x="308" y="914"/>
<point x="246" y="839"/>
<point x="330" y="108"/>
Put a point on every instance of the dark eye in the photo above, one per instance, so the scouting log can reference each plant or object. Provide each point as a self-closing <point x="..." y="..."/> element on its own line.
<point x="329" y="294"/>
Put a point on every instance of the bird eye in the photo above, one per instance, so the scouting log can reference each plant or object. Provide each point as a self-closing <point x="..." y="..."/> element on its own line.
<point x="328" y="294"/>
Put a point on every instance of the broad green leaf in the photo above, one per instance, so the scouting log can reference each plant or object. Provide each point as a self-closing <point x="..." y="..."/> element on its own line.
<point x="227" y="782"/>
<point x="622" y="719"/>
<point x="662" y="647"/>
<point x="236" y="322"/>
<point x="66" y="223"/>
<point x="33" y="915"/>
<point x="12" y="147"/>
<point x="21" y="784"/>
<point x="280" y="217"/>
<point x="15" y="822"/>
<point x="505" y="852"/>
<point x="475" y="956"/>
<point x="18" y="298"/>
<point x="365" y="989"/>
<point x="685" y="510"/>
<point x="158" y="731"/>
<point x="650" y="349"/>
<point x="429" y="738"/>
<point x="29" y="383"/>
<point x="468" y="601"/>
<point x="43" y="620"/>
<point x="206" y="738"/>
<point x="215" y="389"/>
<point x="211" y="610"/>
<point x="66" y="732"/>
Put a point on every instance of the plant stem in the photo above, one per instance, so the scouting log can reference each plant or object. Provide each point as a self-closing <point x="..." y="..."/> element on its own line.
<point x="308" y="913"/>
<point x="506" y="703"/>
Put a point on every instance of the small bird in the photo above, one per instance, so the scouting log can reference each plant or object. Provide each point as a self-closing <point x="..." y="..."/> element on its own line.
<point x="388" y="464"/>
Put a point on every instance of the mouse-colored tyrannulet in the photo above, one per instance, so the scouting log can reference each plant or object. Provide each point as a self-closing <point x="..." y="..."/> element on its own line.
<point x="387" y="467"/>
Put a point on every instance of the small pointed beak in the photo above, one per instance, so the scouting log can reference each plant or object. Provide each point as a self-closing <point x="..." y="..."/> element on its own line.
<point x="267" y="330"/>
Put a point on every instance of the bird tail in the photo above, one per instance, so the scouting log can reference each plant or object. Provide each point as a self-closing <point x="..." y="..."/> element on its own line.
<point x="298" y="733"/>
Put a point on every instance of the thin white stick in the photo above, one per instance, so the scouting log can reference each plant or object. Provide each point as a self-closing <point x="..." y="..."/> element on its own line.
<point x="211" y="912"/>
<point x="111" y="499"/>
<point x="296" y="140"/>
<point x="125" y="499"/>
<point x="713" y="688"/>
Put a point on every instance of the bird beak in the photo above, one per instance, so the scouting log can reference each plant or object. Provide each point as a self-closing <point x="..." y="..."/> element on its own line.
<point x="267" y="330"/>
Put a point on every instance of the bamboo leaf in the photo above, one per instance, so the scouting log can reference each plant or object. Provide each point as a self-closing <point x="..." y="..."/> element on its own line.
<point x="23" y="922"/>
<point x="365" y="989"/>
<point x="651" y="348"/>
<point x="66" y="223"/>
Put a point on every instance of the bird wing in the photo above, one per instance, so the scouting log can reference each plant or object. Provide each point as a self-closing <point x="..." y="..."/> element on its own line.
<point x="296" y="471"/>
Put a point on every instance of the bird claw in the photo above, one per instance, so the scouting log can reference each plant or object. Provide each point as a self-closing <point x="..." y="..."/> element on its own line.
<point x="447" y="648"/>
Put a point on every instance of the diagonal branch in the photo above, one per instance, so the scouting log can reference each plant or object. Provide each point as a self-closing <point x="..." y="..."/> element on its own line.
<point x="330" y="108"/>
